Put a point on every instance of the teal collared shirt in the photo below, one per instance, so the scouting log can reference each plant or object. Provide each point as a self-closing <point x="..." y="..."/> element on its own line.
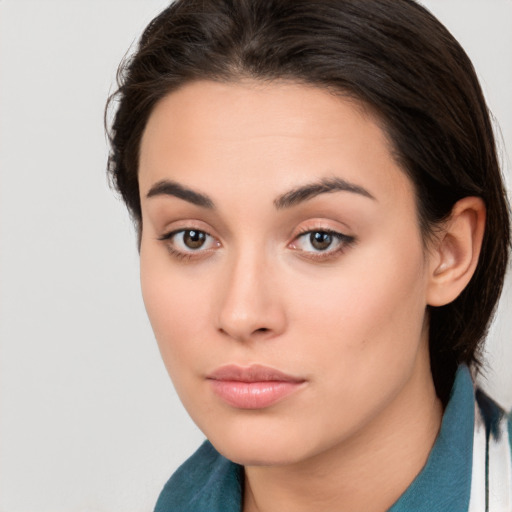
<point x="208" y="482"/>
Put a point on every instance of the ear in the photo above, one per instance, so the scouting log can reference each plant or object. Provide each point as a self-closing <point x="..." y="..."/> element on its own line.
<point x="454" y="257"/>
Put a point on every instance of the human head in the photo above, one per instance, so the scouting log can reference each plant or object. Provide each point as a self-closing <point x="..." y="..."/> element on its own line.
<point x="392" y="56"/>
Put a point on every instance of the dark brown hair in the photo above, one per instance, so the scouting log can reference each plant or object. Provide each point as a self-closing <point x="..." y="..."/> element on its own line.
<point x="391" y="55"/>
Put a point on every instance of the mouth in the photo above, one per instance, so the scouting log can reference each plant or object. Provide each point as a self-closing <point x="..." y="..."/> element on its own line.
<point x="253" y="387"/>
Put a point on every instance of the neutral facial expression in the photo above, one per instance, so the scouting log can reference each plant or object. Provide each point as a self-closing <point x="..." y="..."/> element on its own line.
<point x="282" y="265"/>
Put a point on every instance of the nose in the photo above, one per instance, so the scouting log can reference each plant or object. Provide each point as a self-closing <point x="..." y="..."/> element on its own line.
<point x="250" y="306"/>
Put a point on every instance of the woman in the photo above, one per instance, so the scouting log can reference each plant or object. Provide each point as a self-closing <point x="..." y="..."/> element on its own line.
<point x="323" y="235"/>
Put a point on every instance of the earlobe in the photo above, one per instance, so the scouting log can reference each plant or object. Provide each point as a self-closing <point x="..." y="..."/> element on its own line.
<point x="454" y="258"/>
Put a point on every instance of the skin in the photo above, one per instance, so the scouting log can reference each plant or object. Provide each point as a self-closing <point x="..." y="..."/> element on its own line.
<point x="349" y="320"/>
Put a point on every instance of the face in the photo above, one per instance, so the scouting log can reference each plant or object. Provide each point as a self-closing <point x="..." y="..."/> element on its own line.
<point x="282" y="267"/>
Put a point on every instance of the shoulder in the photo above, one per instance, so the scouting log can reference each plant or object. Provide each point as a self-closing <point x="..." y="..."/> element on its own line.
<point x="205" y="481"/>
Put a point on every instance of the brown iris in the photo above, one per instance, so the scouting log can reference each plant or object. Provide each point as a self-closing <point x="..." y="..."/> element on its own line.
<point x="320" y="240"/>
<point x="194" y="239"/>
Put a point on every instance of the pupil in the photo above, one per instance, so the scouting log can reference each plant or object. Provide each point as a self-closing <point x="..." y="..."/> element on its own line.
<point x="194" y="239"/>
<point x="321" y="240"/>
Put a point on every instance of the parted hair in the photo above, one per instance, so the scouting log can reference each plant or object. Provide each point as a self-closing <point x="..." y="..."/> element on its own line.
<point x="395" y="58"/>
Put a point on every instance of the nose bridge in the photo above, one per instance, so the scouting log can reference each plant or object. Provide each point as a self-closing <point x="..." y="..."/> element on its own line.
<point x="250" y="304"/>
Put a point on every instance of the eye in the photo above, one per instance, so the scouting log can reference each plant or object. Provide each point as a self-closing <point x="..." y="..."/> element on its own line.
<point x="187" y="242"/>
<point x="322" y="242"/>
<point x="192" y="239"/>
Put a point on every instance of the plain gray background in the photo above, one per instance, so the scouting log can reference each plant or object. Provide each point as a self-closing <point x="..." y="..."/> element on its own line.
<point x="89" y="421"/>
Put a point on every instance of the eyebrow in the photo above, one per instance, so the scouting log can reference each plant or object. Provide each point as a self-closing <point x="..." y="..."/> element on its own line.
<point x="286" y="200"/>
<point x="172" y="188"/>
<point x="324" y="186"/>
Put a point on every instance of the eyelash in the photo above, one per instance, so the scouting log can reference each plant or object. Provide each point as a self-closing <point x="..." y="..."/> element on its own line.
<point x="183" y="255"/>
<point x="344" y="241"/>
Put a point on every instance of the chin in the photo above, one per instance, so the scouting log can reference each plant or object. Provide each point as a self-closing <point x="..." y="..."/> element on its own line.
<point x="270" y="445"/>
<point x="256" y="454"/>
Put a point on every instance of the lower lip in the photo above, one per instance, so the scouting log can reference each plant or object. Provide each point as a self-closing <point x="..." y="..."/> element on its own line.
<point x="253" y="395"/>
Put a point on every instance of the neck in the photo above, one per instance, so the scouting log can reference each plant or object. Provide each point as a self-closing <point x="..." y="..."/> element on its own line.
<point x="367" y="472"/>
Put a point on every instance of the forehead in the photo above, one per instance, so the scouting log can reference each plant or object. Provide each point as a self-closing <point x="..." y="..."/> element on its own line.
<point x="273" y="133"/>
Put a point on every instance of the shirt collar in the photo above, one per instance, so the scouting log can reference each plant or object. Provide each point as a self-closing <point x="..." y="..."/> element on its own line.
<point x="445" y="481"/>
<point x="205" y="482"/>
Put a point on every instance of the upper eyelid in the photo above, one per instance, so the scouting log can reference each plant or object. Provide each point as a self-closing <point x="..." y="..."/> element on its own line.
<point x="320" y="230"/>
<point x="323" y="224"/>
<point x="167" y="233"/>
<point x="323" y="229"/>
<point x="168" y="239"/>
<point x="318" y="226"/>
<point x="337" y="234"/>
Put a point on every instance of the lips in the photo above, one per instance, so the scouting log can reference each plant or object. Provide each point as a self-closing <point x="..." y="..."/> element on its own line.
<point x="253" y="387"/>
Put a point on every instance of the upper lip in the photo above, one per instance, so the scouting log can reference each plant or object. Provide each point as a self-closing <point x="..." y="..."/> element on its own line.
<point x="252" y="373"/>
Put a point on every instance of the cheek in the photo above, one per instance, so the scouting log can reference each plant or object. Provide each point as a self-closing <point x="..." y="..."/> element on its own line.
<point x="370" y="311"/>
<point x="177" y="311"/>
